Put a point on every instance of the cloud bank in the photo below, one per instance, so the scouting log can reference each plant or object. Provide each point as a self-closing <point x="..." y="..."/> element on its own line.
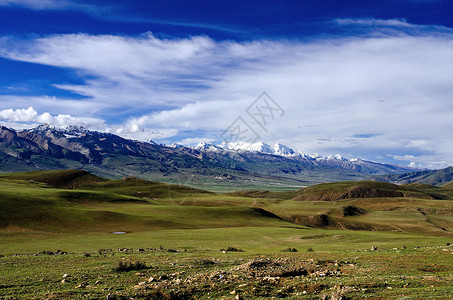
<point x="382" y="95"/>
<point x="30" y="116"/>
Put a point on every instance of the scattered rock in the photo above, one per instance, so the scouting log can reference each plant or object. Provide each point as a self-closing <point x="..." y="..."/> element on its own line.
<point x="290" y="250"/>
<point x="82" y="285"/>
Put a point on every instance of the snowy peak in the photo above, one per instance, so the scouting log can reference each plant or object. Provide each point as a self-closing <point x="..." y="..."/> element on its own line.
<point x="71" y="131"/>
<point x="207" y="147"/>
<point x="283" y="150"/>
<point x="336" y="157"/>
<point x="174" y="145"/>
<point x="277" y="149"/>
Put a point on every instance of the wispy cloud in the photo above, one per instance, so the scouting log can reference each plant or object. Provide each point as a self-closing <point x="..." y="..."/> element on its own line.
<point x="63" y="5"/>
<point x="399" y="85"/>
<point x="389" y="26"/>
<point x="374" y="22"/>
<point x="37" y="4"/>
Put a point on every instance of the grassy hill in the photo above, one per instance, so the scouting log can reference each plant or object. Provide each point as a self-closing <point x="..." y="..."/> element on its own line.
<point x="88" y="204"/>
<point x="77" y="201"/>
<point x="54" y="223"/>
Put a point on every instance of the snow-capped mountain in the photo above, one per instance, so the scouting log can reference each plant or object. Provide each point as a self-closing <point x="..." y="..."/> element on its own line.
<point x="243" y="151"/>
<point x="277" y="149"/>
<point x="252" y="147"/>
<point x="46" y="147"/>
<point x="207" y="147"/>
<point x="337" y="157"/>
<point x="283" y="150"/>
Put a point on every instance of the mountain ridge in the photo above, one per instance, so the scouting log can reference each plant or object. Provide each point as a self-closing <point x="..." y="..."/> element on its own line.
<point x="105" y="154"/>
<point x="431" y="177"/>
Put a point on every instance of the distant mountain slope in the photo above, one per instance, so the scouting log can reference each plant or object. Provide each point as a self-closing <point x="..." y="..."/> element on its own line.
<point x="432" y="177"/>
<point x="108" y="155"/>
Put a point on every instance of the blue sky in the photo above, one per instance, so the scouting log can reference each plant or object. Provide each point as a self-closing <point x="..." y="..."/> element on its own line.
<point x="369" y="79"/>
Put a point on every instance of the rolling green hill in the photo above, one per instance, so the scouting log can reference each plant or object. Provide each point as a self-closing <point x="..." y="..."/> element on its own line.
<point x="74" y="200"/>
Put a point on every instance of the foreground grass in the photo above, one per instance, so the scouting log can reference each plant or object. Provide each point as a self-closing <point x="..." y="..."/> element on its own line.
<point x="188" y="264"/>
<point x="417" y="273"/>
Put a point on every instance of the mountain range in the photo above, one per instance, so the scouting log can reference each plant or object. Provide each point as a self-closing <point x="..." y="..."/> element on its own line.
<point x="241" y="164"/>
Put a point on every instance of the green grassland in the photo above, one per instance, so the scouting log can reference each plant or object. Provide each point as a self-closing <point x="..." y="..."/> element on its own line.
<point x="177" y="233"/>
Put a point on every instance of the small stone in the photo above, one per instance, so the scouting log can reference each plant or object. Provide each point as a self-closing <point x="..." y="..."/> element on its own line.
<point x="140" y="285"/>
<point x="151" y="279"/>
<point x="238" y="297"/>
<point x="233" y="293"/>
<point x="66" y="275"/>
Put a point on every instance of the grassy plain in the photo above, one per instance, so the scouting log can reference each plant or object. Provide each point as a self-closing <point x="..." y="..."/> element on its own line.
<point x="57" y="223"/>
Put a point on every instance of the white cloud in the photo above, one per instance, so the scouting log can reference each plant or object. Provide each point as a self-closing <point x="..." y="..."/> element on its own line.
<point x="31" y="117"/>
<point x="397" y="86"/>
<point x="53" y="105"/>
<point x="195" y="141"/>
<point x="18" y="115"/>
<point x="135" y="132"/>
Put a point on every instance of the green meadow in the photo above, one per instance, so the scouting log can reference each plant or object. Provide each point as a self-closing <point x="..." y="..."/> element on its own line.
<point x="72" y="235"/>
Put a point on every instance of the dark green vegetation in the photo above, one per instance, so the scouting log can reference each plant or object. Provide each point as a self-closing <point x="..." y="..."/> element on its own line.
<point x="136" y="238"/>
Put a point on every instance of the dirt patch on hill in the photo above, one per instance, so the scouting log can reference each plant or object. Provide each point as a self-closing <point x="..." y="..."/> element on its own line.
<point x="319" y="220"/>
<point x="349" y="211"/>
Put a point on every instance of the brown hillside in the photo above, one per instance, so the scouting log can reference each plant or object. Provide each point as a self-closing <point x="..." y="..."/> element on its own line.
<point x="356" y="189"/>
